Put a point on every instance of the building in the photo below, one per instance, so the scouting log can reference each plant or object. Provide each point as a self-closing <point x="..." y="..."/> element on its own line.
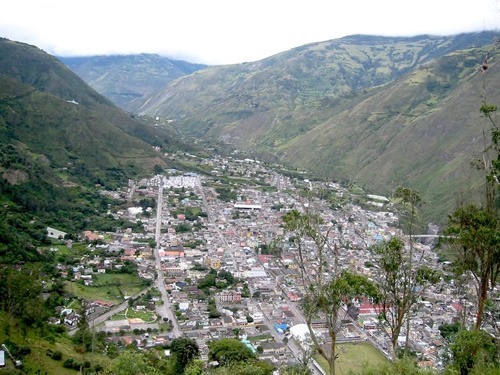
<point x="55" y="233"/>
<point x="229" y="296"/>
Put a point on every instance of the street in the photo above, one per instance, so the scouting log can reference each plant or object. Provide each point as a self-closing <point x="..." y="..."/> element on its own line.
<point x="164" y="310"/>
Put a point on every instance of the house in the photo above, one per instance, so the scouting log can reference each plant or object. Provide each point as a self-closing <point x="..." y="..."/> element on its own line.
<point x="294" y="297"/>
<point x="71" y="319"/>
<point x="273" y="347"/>
<point x="55" y="233"/>
<point x="92" y="236"/>
<point x="371" y="309"/>
<point x="319" y="323"/>
<point x="174" y="253"/>
<point x="229" y="296"/>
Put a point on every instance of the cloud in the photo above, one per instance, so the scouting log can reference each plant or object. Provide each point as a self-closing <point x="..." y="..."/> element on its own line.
<point x="227" y="31"/>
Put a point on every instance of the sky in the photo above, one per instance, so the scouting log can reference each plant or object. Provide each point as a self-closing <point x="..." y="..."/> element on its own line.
<point x="228" y="31"/>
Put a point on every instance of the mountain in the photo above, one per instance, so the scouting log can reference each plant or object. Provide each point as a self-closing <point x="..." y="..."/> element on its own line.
<point x="381" y="111"/>
<point x="58" y="139"/>
<point x="80" y="119"/>
<point x="128" y="80"/>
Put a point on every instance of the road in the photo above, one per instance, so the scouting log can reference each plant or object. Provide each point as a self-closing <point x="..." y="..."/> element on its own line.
<point x="108" y="314"/>
<point x="164" y="310"/>
<point x="211" y="219"/>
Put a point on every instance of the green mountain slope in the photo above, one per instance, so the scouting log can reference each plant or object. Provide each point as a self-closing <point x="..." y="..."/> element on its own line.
<point x="128" y="80"/>
<point x="58" y="138"/>
<point x="34" y="67"/>
<point x="422" y="131"/>
<point x="334" y="107"/>
<point x="256" y="95"/>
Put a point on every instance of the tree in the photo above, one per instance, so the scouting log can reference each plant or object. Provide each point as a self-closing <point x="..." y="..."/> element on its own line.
<point x="195" y="367"/>
<point x="474" y="229"/>
<point x="404" y="366"/>
<point x="326" y="287"/>
<point x="20" y="294"/>
<point x="474" y="350"/>
<point x="449" y="330"/>
<point x="229" y="351"/>
<point x="298" y="369"/>
<point x="397" y="283"/>
<point x="244" y="368"/>
<point x="185" y="351"/>
<point x="474" y="235"/>
<point x="394" y="286"/>
<point x="409" y="200"/>
<point x="129" y="363"/>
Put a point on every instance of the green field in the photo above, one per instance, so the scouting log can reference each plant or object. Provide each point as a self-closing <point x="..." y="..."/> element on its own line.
<point x="354" y="357"/>
<point x="130" y="313"/>
<point x="38" y="343"/>
<point x="108" y="287"/>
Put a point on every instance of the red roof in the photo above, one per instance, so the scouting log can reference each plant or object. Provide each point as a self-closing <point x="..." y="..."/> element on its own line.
<point x="368" y="308"/>
<point x="264" y="258"/>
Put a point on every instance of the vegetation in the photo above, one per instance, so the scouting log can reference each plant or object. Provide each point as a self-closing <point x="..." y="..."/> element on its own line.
<point x="474" y="352"/>
<point x="398" y="280"/>
<point x="324" y="294"/>
<point x="226" y="194"/>
<point x="185" y="351"/>
<point x="60" y="149"/>
<point x="353" y="358"/>
<point x="350" y="109"/>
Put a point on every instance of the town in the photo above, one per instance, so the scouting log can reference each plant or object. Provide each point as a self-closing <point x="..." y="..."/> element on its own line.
<point x="210" y="259"/>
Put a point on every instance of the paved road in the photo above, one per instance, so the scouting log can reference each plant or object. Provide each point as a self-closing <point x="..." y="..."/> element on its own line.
<point x="165" y="310"/>
<point x="108" y="314"/>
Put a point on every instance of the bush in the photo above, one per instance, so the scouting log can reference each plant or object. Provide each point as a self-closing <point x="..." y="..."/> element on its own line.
<point x="57" y="356"/>
<point x="72" y="364"/>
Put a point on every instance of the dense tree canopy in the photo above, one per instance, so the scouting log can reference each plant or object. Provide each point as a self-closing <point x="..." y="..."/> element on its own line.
<point x="228" y="351"/>
<point x="185" y="350"/>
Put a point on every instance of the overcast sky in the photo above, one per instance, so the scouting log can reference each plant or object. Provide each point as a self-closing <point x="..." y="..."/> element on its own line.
<point x="228" y="31"/>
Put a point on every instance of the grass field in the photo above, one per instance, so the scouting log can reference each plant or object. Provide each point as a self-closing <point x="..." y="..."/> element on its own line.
<point x="353" y="357"/>
<point x="108" y="287"/>
<point x="38" y="344"/>
<point x="147" y="316"/>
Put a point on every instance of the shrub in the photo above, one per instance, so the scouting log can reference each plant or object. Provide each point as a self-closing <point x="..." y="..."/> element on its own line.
<point x="57" y="356"/>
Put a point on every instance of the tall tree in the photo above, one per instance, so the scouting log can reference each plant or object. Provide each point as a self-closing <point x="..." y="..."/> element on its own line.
<point x="409" y="200"/>
<point x="474" y="234"/>
<point x="474" y="230"/>
<point x="229" y="351"/>
<point x="397" y="284"/>
<point x="327" y="288"/>
<point x="185" y="351"/>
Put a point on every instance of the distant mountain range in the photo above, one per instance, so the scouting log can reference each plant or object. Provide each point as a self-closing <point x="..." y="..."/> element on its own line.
<point x="129" y="80"/>
<point x="379" y="111"/>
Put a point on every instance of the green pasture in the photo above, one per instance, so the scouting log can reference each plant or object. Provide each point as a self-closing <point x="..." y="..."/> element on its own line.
<point x="353" y="357"/>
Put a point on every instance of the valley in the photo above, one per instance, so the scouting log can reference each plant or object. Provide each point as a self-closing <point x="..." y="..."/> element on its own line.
<point x="242" y="238"/>
<point x="264" y="217"/>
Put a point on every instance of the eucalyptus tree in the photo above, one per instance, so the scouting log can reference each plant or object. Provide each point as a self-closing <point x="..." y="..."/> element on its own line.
<point x="474" y="230"/>
<point x="398" y="281"/>
<point x="327" y="288"/>
<point x="409" y="200"/>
